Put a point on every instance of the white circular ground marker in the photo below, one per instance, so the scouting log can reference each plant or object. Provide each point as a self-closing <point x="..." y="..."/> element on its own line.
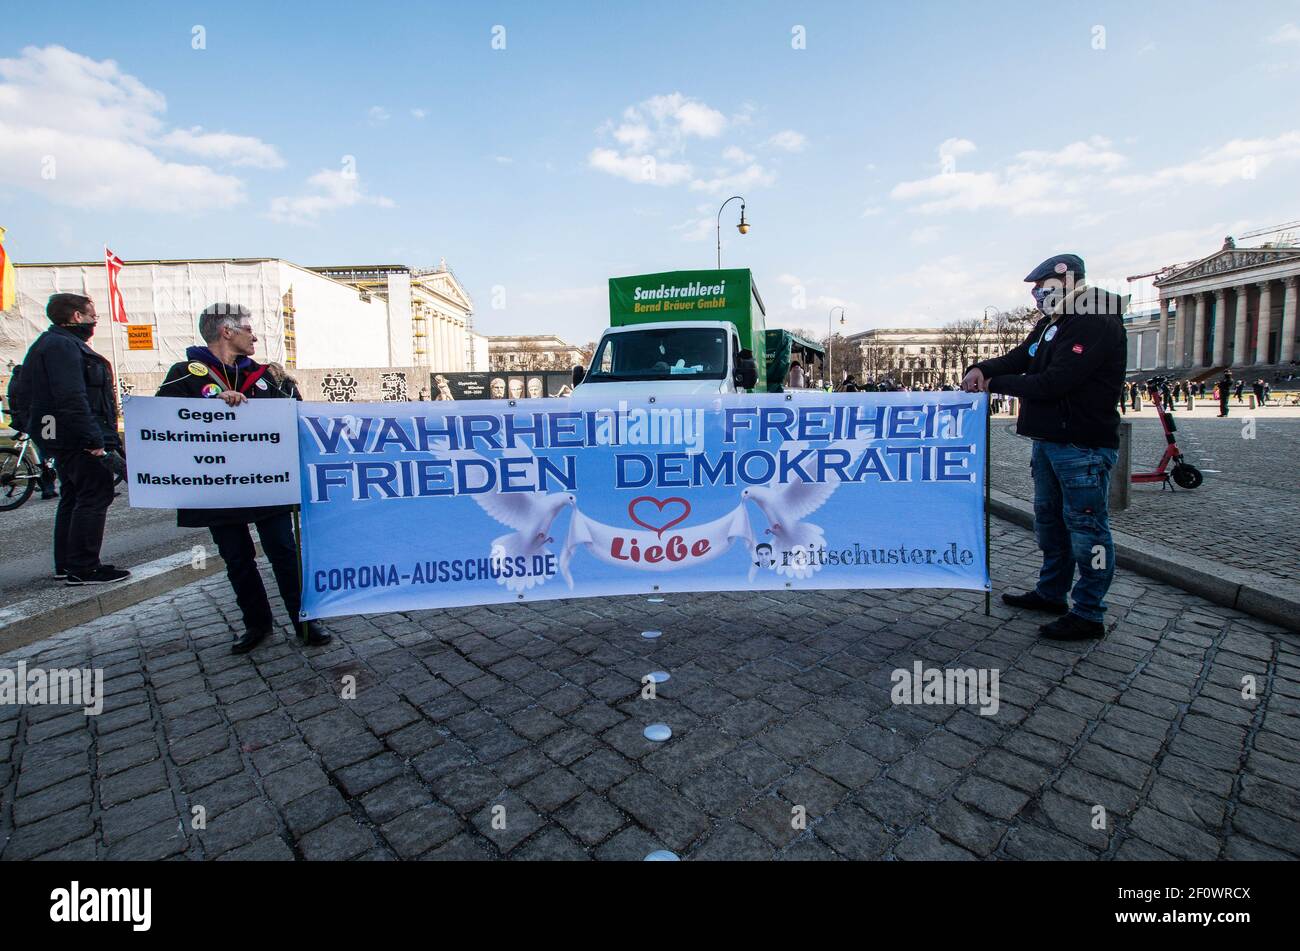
<point x="650" y="635"/>
<point x="662" y="855"/>
<point x="658" y="732"/>
<point x="655" y="600"/>
<point x="659" y="676"/>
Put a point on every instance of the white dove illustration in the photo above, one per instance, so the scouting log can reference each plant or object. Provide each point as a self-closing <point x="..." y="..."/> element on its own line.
<point x="785" y="505"/>
<point x="530" y="514"/>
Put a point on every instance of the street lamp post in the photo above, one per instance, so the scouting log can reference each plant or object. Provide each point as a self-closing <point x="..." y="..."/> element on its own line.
<point x="830" y="342"/>
<point x="743" y="227"/>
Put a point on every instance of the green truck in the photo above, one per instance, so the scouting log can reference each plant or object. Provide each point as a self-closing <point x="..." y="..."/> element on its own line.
<point x="680" y="332"/>
<point x="784" y="348"/>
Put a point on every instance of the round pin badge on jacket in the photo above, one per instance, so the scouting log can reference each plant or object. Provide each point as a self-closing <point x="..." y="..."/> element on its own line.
<point x="198" y="369"/>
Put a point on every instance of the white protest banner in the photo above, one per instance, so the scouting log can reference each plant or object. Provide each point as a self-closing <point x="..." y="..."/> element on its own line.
<point x="203" y="454"/>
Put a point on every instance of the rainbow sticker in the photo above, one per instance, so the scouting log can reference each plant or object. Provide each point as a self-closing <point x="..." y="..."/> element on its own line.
<point x="211" y="389"/>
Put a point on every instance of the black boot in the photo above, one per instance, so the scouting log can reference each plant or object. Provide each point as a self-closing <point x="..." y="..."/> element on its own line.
<point x="316" y="635"/>
<point x="1072" y="628"/>
<point x="250" y="640"/>
<point x="1035" y="602"/>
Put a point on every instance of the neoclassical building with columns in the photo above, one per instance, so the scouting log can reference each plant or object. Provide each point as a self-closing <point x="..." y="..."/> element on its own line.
<point x="1235" y="308"/>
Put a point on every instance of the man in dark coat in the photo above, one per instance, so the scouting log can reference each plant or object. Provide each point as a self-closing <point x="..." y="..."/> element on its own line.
<point x="73" y="415"/>
<point x="225" y="370"/>
<point x="1225" y="391"/>
<point x="1069" y="377"/>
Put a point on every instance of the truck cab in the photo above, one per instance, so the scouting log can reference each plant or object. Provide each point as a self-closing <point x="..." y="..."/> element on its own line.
<point x="679" y="333"/>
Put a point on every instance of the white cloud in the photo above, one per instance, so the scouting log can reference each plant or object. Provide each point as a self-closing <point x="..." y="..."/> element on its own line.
<point x="940" y="290"/>
<point x="639" y="169"/>
<point x="1095" y="153"/>
<point x="334" y="189"/>
<point x="649" y="142"/>
<point x="1235" y="161"/>
<point x="788" y="140"/>
<point x="749" y="177"/>
<point x="872" y="211"/>
<point x="101" y="133"/>
<point x="952" y="148"/>
<point x="1287" y="33"/>
<point x="379" y="114"/>
<point x="684" y="115"/>
<point x="223" y="147"/>
<point x="1036" y="182"/>
<point x="926" y="234"/>
<point x="419" y="113"/>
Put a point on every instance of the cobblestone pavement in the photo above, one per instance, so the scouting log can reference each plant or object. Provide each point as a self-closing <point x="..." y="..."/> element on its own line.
<point x="1247" y="513"/>
<point x="777" y="701"/>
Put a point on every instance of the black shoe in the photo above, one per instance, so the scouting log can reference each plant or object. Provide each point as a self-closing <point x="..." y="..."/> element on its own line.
<point x="49" y="495"/>
<point x="61" y="574"/>
<point x="250" y="640"/>
<point x="104" y="574"/>
<point x="1072" y="628"/>
<point x="1035" y="602"/>
<point x="316" y="635"/>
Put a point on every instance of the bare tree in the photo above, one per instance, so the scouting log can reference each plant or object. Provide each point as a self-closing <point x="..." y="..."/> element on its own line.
<point x="1010" y="327"/>
<point x="959" y="343"/>
<point x="844" y="355"/>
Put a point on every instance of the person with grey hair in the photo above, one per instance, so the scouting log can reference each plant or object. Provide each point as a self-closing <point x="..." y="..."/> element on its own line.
<point x="225" y="370"/>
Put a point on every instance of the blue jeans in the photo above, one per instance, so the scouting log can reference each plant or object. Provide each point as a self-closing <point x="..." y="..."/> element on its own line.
<point x="1071" y="486"/>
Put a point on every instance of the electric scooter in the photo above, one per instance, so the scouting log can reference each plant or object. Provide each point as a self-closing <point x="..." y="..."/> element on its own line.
<point x="1183" y="473"/>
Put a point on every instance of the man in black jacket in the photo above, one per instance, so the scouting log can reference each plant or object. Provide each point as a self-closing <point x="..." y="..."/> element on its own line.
<point x="225" y="370"/>
<point x="73" y="413"/>
<point x="1069" y="376"/>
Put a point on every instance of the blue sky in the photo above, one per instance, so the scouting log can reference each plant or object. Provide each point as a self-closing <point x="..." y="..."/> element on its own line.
<point x="911" y="162"/>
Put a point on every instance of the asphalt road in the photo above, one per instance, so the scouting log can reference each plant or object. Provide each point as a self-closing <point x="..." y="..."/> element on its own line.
<point x="132" y="537"/>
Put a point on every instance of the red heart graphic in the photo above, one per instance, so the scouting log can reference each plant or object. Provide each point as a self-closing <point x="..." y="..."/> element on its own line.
<point x="659" y="529"/>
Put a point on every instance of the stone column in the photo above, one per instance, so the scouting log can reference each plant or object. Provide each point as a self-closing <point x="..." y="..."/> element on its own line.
<point x="1162" y="336"/>
<point x="1180" y="330"/>
<point x="1198" y="335"/>
<point x="1287" y="353"/>
<point x="1265" y="322"/>
<point x="1239" y="356"/>
<point x="1220" y="326"/>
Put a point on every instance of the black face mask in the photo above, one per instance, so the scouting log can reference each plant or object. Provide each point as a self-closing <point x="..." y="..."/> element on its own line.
<point x="83" y="331"/>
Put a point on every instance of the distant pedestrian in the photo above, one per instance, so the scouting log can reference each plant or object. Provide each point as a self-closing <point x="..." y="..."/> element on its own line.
<point x="797" y="380"/>
<point x="1258" y="389"/>
<point x="73" y="412"/>
<point x="1225" y="390"/>
<point x="1241" y="386"/>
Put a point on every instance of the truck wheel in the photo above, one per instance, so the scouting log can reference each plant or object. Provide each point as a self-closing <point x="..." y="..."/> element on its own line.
<point x="1187" y="476"/>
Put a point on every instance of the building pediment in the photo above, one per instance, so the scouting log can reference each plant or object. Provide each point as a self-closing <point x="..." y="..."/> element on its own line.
<point x="1229" y="260"/>
<point x="445" y="283"/>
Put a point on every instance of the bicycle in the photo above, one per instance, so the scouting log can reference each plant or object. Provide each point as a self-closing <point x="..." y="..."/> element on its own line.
<point x="20" y="472"/>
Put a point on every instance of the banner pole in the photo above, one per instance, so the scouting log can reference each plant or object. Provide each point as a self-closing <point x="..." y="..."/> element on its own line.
<point x="297" y="534"/>
<point x="988" y="495"/>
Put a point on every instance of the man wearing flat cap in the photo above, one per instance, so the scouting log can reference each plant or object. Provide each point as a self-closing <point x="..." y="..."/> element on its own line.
<point x="1069" y="376"/>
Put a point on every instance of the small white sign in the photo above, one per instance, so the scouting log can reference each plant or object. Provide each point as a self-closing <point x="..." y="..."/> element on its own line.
<point x="203" y="454"/>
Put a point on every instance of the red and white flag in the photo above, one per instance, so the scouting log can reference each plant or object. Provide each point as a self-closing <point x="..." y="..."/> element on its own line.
<point x="116" y="306"/>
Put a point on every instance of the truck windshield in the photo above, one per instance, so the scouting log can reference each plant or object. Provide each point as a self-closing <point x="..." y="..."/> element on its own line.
<point x="667" y="353"/>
